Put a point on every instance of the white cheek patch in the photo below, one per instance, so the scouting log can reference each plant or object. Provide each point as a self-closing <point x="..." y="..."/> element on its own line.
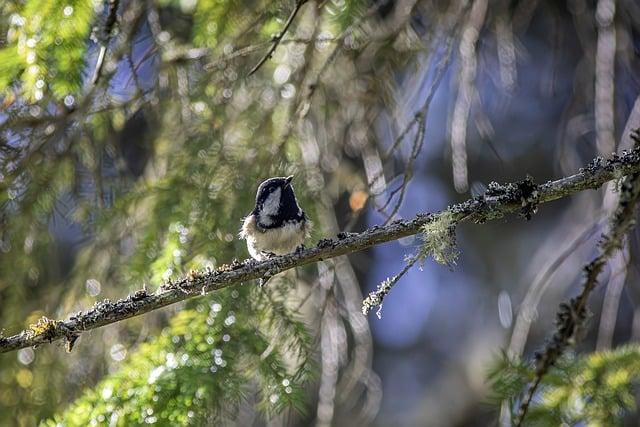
<point x="270" y="207"/>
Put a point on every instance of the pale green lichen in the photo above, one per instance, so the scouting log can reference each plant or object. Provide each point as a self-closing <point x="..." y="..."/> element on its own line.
<point x="439" y="240"/>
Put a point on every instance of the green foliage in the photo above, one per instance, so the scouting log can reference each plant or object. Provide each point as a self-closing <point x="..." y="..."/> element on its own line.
<point x="245" y="22"/>
<point x="203" y="365"/>
<point x="348" y="12"/>
<point x="187" y="219"/>
<point x="46" y="44"/>
<point x="597" y="389"/>
<point x="210" y="138"/>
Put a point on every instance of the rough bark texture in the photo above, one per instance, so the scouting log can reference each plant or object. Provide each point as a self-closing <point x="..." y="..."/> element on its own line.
<point x="499" y="200"/>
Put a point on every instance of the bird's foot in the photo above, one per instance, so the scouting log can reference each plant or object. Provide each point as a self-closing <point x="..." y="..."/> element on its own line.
<point x="300" y="249"/>
<point x="268" y="255"/>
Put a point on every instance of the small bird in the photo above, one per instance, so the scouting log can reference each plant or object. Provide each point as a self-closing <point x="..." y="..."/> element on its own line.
<point x="277" y="225"/>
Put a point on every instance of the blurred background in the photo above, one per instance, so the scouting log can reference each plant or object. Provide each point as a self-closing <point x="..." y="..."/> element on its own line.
<point x="135" y="171"/>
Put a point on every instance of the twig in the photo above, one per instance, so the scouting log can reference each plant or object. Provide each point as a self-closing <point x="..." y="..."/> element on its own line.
<point x="106" y="32"/>
<point x="278" y="37"/>
<point x="499" y="201"/>
<point x="376" y="298"/>
<point x="420" y="120"/>
<point x="571" y="315"/>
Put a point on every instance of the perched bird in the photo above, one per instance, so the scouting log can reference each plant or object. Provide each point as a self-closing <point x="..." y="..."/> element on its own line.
<point x="277" y="225"/>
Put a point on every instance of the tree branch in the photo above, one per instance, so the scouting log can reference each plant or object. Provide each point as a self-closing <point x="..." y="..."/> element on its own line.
<point x="499" y="200"/>
<point x="278" y="37"/>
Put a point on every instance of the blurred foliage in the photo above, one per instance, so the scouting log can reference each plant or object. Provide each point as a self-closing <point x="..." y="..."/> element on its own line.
<point x="597" y="389"/>
<point x="122" y="185"/>
<point x="145" y="176"/>
<point x="45" y="47"/>
<point x="201" y="367"/>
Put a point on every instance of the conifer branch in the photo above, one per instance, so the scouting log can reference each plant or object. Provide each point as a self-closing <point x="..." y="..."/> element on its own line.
<point x="572" y="315"/>
<point x="520" y="197"/>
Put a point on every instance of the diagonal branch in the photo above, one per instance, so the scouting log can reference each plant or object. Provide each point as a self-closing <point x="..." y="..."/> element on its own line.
<point x="278" y="37"/>
<point x="500" y="200"/>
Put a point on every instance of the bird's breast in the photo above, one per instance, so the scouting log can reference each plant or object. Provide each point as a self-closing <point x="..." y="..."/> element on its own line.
<point x="278" y="240"/>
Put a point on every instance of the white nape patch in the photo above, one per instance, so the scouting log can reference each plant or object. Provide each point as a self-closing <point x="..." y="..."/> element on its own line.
<point x="270" y="207"/>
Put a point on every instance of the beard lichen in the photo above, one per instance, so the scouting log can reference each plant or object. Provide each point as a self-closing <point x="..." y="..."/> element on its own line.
<point x="439" y="240"/>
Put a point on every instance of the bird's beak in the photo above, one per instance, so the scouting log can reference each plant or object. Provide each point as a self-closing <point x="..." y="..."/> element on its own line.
<point x="287" y="180"/>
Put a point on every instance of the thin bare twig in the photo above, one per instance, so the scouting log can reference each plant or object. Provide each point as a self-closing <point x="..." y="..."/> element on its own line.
<point x="419" y="119"/>
<point x="499" y="201"/>
<point x="278" y="37"/>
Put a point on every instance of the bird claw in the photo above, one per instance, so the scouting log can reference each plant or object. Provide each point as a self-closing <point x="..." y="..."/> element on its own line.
<point x="300" y="249"/>
<point x="269" y="255"/>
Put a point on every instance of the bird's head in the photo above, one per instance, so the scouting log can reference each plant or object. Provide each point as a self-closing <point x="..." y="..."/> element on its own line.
<point x="276" y="202"/>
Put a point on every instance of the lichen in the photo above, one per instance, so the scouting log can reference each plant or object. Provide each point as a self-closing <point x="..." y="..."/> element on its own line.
<point x="194" y="275"/>
<point x="524" y="192"/>
<point x="375" y="299"/>
<point x="325" y="243"/>
<point x="44" y="327"/>
<point x="138" y="295"/>
<point x="439" y="240"/>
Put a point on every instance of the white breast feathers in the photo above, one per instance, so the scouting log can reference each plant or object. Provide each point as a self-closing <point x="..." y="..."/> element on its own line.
<point x="280" y="241"/>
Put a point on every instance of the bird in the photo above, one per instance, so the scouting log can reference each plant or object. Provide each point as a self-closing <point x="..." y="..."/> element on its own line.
<point x="277" y="225"/>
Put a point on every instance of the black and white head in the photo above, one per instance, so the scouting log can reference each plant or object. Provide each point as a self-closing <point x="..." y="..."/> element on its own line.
<point x="276" y="203"/>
